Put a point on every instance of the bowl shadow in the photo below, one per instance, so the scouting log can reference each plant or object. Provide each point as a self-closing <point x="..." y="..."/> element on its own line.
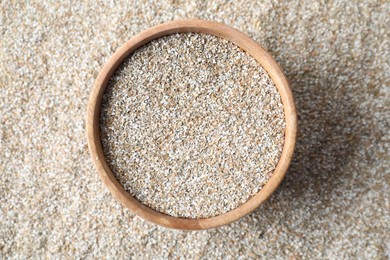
<point x="328" y="138"/>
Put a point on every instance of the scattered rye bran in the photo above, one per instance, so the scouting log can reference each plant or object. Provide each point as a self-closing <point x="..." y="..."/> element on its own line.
<point x="334" y="202"/>
<point x="191" y="125"/>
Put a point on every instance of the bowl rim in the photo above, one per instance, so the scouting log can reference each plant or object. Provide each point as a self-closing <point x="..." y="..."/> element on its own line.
<point x="197" y="26"/>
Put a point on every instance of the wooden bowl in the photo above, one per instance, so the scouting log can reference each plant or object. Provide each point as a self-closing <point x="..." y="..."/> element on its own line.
<point x="197" y="26"/>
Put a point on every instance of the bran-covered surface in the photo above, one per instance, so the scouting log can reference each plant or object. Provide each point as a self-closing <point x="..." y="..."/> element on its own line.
<point x="335" y="200"/>
<point x="192" y="126"/>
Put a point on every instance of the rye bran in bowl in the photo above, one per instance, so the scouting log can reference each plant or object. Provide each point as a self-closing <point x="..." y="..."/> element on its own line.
<point x="191" y="124"/>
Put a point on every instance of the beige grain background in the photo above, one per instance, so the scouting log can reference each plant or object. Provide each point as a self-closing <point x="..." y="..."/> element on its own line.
<point x="335" y="201"/>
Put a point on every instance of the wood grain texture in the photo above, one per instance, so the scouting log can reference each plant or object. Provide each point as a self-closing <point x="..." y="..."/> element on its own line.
<point x="199" y="26"/>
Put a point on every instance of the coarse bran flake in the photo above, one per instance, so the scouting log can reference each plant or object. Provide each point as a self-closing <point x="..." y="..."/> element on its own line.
<point x="191" y="125"/>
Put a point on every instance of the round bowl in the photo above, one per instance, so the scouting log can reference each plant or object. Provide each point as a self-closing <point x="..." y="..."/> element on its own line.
<point x="197" y="26"/>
